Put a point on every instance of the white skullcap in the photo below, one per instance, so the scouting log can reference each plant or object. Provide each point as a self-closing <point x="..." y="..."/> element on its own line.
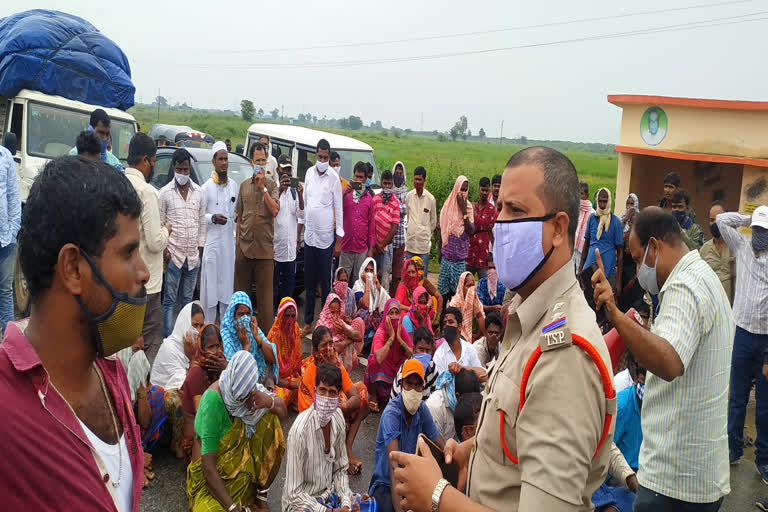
<point x="217" y="147"/>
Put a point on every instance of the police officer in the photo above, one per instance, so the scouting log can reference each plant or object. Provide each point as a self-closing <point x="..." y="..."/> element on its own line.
<point x="551" y="452"/>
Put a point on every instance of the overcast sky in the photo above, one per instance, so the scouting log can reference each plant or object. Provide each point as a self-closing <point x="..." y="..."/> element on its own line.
<point x="215" y="53"/>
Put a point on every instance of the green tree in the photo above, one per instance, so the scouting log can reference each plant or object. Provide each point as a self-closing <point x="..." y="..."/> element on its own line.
<point x="247" y="110"/>
<point x="481" y="133"/>
<point x="355" y="123"/>
<point x="160" y="100"/>
<point x="459" y="129"/>
<point x="260" y="113"/>
<point x="275" y="113"/>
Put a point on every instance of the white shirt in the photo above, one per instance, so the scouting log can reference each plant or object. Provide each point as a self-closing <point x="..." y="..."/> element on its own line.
<point x="442" y="415"/>
<point x="622" y="381"/>
<point x="271" y="167"/>
<point x="751" y="294"/>
<point x="154" y="236"/>
<point x="218" y="269"/>
<point x="187" y="218"/>
<point x="310" y="472"/>
<point x="444" y="356"/>
<point x="322" y="205"/>
<point x="286" y="226"/>
<point x="110" y="456"/>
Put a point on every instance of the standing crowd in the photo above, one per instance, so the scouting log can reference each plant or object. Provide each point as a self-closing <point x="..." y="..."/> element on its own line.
<point x="498" y="366"/>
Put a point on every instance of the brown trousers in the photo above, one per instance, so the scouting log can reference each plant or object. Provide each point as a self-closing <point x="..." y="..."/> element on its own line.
<point x="254" y="277"/>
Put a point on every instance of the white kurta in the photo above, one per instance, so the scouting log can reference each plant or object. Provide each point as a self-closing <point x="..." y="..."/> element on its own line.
<point x="218" y="268"/>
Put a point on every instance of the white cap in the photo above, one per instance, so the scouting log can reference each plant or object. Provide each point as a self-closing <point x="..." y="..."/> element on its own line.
<point x="760" y="217"/>
<point x="218" y="147"/>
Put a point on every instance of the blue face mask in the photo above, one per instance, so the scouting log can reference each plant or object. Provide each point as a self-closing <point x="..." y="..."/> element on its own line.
<point x="424" y="359"/>
<point x="759" y="239"/>
<point x="518" y="252"/>
<point x="640" y="391"/>
<point x="257" y="169"/>
<point x="368" y="183"/>
<point x="680" y="216"/>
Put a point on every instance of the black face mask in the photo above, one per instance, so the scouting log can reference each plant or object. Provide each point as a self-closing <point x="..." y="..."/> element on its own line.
<point x="715" y="230"/>
<point x="450" y="333"/>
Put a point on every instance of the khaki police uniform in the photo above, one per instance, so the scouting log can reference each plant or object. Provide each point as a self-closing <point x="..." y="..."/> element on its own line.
<point x="556" y="433"/>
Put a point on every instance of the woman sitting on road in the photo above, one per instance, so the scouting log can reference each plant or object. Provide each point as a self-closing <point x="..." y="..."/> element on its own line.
<point x="205" y="369"/>
<point x="412" y="278"/>
<point x="391" y="346"/>
<point x="370" y="296"/>
<point x="421" y="312"/>
<point x="286" y="336"/>
<point x="467" y="301"/>
<point x="171" y="366"/>
<point x="240" y="331"/>
<point x="341" y="287"/>
<point x="239" y="443"/>
<point x="347" y="333"/>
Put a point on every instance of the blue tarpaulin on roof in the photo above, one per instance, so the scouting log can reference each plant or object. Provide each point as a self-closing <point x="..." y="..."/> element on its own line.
<point x="58" y="53"/>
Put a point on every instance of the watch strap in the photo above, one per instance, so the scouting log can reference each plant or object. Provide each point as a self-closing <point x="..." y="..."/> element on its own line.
<point x="438" y="493"/>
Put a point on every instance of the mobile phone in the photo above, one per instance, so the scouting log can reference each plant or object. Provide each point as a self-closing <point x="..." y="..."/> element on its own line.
<point x="450" y="471"/>
<point x="585" y="278"/>
<point x="294" y="182"/>
<point x="356" y="185"/>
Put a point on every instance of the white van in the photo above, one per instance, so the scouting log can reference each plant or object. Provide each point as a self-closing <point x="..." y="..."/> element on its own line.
<point x="46" y="127"/>
<point x="301" y="144"/>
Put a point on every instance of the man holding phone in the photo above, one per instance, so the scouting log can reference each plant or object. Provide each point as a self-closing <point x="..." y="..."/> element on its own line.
<point x="359" y="226"/>
<point x="288" y="225"/>
<point x="218" y="269"/>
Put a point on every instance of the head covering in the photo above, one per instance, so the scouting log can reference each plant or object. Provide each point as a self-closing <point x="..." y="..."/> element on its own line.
<point x="218" y="146"/>
<point x="326" y="317"/>
<point x="410" y="284"/>
<point x="447" y="382"/>
<point x="468" y="304"/>
<point x="760" y="217"/>
<point x="340" y="287"/>
<point x="171" y="364"/>
<point x="378" y="297"/>
<point x="603" y="214"/>
<point x="136" y="367"/>
<point x="451" y="218"/>
<point x="232" y="342"/>
<point x="200" y="355"/>
<point x="237" y="381"/>
<point x="286" y="336"/>
<point x="585" y="210"/>
<point x="426" y="310"/>
<point x="405" y="177"/>
<point x="412" y="366"/>
<point x="635" y="208"/>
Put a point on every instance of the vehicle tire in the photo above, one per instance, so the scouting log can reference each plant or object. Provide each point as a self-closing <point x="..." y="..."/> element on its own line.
<point x="20" y="290"/>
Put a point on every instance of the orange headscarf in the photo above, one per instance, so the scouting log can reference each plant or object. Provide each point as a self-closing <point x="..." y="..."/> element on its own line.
<point x="286" y="336"/>
<point x="468" y="304"/>
<point x="451" y="218"/>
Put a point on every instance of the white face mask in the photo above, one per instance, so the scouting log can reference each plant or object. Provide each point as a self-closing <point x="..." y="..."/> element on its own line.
<point x="181" y="179"/>
<point x="646" y="276"/>
<point x="337" y="169"/>
<point x="412" y="400"/>
<point x="321" y="167"/>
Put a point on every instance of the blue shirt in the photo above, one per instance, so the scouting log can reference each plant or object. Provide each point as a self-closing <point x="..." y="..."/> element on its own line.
<point x="393" y="426"/>
<point x="628" y="435"/>
<point x="10" y="200"/>
<point x="485" y="297"/>
<point x="607" y="244"/>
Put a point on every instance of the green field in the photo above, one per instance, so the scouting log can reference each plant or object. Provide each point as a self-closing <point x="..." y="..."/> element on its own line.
<point x="444" y="160"/>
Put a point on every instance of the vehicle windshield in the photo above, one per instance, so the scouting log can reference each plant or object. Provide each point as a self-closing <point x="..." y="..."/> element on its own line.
<point x="53" y="130"/>
<point x="239" y="169"/>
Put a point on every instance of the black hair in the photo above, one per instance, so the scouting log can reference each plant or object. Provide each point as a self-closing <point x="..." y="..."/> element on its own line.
<point x="328" y="374"/>
<point x="420" y="171"/>
<point x="681" y="195"/>
<point x="369" y="168"/>
<point x="317" y="336"/>
<point x="386" y="175"/>
<point x="456" y="312"/>
<point x="496" y="179"/>
<point x="643" y="308"/>
<point x="559" y="190"/>
<point x="493" y="318"/>
<point x="239" y="149"/>
<point x="467" y="382"/>
<point x="633" y="366"/>
<point x="181" y="155"/>
<point x="323" y="144"/>
<point x="400" y="165"/>
<point x="485" y="182"/>
<point x="422" y="333"/>
<point x="490" y="256"/>
<point x="467" y="409"/>
<point x="258" y="146"/>
<point x="196" y="309"/>
<point x="73" y="200"/>
<point x="227" y="140"/>
<point x="141" y="146"/>
<point x="584" y="187"/>
<point x="672" y="178"/>
<point x="99" y="116"/>
<point x="360" y="167"/>
<point x="333" y="156"/>
<point x="655" y="222"/>
<point x="10" y="141"/>
<point x="208" y="331"/>
<point x="263" y="136"/>
<point x="717" y="202"/>
<point x="88" y="142"/>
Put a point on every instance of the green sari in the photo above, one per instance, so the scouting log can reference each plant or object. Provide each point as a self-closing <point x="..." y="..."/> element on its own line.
<point x="245" y="465"/>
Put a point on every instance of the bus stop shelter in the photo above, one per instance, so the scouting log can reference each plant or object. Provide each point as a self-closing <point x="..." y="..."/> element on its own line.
<point x="718" y="147"/>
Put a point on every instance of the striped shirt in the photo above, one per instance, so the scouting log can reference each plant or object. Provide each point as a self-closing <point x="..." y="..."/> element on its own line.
<point x="751" y="294"/>
<point x="310" y="472"/>
<point x="385" y="215"/>
<point x="684" y="454"/>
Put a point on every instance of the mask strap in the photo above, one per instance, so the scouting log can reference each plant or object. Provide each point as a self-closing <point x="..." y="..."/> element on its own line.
<point x="545" y="218"/>
<point x="116" y="296"/>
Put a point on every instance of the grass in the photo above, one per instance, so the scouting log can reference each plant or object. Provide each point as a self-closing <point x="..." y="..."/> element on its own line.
<point x="444" y="160"/>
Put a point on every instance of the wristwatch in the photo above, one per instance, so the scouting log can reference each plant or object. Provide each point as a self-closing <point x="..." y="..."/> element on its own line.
<point x="232" y="507"/>
<point x="265" y="190"/>
<point x="466" y="216"/>
<point x="439" y="488"/>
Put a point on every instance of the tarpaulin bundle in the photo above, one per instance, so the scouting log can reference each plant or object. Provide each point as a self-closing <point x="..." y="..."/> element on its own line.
<point x="61" y="54"/>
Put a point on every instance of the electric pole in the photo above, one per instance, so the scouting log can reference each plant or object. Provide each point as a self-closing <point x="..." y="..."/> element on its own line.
<point x="158" y="104"/>
<point x="501" y="132"/>
<point x="421" y="128"/>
